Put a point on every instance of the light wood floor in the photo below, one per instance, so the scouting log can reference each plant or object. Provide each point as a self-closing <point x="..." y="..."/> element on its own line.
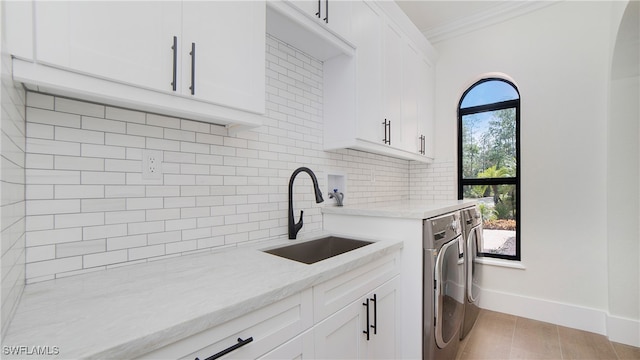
<point x="501" y="336"/>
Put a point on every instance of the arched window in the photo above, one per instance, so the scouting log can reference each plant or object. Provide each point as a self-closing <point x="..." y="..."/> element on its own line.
<point x="489" y="162"/>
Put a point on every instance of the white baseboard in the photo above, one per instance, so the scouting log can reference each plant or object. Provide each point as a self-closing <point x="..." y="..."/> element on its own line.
<point x="625" y="331"/>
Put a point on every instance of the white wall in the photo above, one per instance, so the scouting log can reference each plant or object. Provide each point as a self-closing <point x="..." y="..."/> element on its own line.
<point x="12" y="204"/>
<point x="88" y="207"/>
<point x="623" y="205"/>
<point x="559" y="57"/>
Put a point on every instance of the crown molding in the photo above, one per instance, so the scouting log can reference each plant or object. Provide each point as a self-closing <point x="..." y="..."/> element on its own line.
<point x="495" y="15"/>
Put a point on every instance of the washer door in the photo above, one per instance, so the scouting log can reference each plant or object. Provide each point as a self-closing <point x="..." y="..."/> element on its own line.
<point x="474" y="242"/>
<point x="449" y="292"/>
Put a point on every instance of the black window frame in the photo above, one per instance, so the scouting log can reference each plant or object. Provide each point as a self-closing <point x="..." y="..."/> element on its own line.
<point x="462" y="182"/>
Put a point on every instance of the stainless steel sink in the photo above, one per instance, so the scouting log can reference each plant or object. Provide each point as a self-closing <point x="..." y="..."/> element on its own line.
<point x="313" y="251"/>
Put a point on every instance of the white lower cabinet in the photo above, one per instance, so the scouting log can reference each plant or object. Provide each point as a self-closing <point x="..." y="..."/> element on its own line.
<point x="300" y="347"/>
<point x="270" y="327"/>
<point x="365" y="329"/>
<point x="328" y="321"/>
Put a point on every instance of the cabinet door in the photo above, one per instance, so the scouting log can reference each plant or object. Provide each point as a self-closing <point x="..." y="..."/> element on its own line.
<point x="341" y="335"/>
<point x="426" y="101"/>
<point x="367" y="35"/>
<point x="129" y="42"/>
<point x="229" y="38"/>
<point x="334" y="14"/>
<point x="384" y="343"/>
<point x="410" y="86"/>
<point x="392" y="84"/>
<point x="299" y="348"/>
<point x="270" y="327"/>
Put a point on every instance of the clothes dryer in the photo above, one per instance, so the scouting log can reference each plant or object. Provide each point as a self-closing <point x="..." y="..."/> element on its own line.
<point x="472" y="233"/>
<point x="443" y="290"/>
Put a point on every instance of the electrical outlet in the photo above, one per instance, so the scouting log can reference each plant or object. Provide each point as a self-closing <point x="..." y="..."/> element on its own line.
<point x="151" y="165"/>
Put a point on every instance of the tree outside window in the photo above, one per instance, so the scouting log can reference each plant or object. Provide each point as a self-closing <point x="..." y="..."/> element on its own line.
<point x="488" y="162"/>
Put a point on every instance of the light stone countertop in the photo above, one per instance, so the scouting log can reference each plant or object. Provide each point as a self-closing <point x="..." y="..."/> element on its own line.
<point x="128" y="311"/>
<point x="408" y="209"/>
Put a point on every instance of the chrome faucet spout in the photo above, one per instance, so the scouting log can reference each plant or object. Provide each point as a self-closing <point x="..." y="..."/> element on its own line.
<point x="293" y="226"/>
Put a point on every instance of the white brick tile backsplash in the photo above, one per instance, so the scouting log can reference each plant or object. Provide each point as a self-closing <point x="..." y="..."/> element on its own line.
<point x="124" y="217"/>
<point x="113" y="126"/>
<point x="53" y="267"/>
<point x="125" y="115"/>
<point x="39" y="192"/>
<point x="44" y="146"/>
<point x="78" y="163"/>
<point x="164" y="237"/>
<point x="40" y="131"/>
<point x="145" y="227"/>
<point x="126" y="242"/>
<point x="41" y="101"/>
<point x="85" y="185"/>
<point x="80" y="248"/>
<point x="79" y="191"/>
<point x="105" y="258"/>
<point x="78" y="107"/>
<point x="39" y="161"/>
<point x="52" y="237"/>
<point x="163" y="121"/>
<point x="78" y="220"/>
<point x="40" y="116"/>
<point x="102" y="151"/>
<point x="44" y="207"/>
<point x="146" y="252"/>
<point x="106" y="178"/>
<point x="40" y="253"/>
<point x="124" y="140"/>
<point x="77" y="135"/>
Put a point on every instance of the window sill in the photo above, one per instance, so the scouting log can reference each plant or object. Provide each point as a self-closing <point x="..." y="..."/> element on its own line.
<point x="501" y="263"/>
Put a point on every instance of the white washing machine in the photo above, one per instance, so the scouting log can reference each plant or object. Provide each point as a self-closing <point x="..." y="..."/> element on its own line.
<point x="472" y="233"/>
<point x="443" y="290"/>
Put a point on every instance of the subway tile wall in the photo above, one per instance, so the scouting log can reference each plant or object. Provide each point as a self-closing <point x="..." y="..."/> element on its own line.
<point x="89" y="208"/>
<point x="12" y="188"/>
<point x="433" y="182"/>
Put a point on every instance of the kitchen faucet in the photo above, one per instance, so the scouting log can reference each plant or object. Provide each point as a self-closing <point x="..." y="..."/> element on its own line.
<point x="295" y="227"/>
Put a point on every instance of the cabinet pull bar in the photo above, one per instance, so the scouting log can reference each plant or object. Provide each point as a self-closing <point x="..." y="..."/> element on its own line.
<point x="326" y="11"/>
<point x="366" y="304"/>
<point x="389" y="140"/>
<point x="375" y="315"/>
<point x="193" y="69"/>
<point x="224" y="352"/>
<point x="318" y="13"/>
<point x="174" y="47"/>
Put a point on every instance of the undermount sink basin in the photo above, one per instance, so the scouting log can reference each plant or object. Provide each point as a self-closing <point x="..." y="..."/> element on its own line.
<point x="313" y="251"/>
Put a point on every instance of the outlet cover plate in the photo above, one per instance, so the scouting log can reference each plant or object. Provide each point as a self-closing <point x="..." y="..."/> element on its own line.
<point x="151" y="164"/>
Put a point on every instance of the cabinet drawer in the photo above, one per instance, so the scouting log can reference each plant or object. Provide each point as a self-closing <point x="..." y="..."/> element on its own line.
<point x="269" y="327"/>
<point x="333" y="295"/>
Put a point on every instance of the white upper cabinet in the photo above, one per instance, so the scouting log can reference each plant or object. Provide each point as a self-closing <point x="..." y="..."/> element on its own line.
<point x="123" y="41"/>
<point x="222" y="68"/>
<point x="140" y="55"/>
<point x="379" y="100"/>
<point x="426" y="104"/>
<point x="334" y="14"/>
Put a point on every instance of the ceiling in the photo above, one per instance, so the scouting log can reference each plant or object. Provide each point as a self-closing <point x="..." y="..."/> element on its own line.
<point x="440" y="19"/>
